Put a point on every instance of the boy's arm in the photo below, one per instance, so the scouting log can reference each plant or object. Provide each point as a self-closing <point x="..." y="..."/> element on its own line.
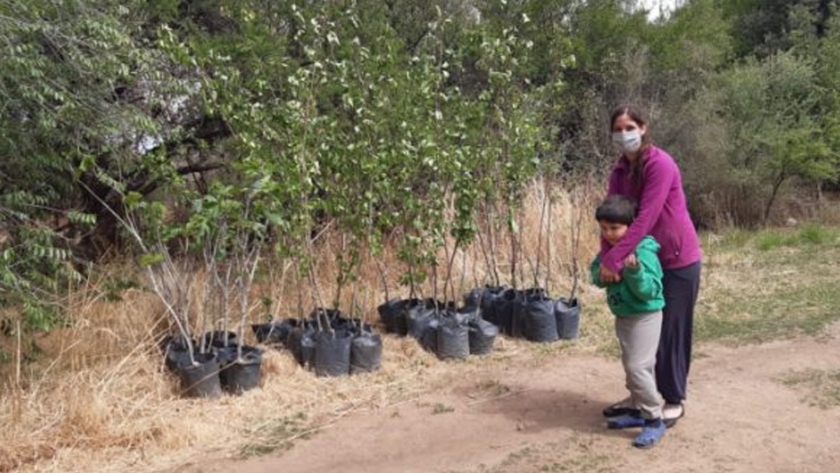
<point x="645" y="280"/>
<point x="594" y="270"/>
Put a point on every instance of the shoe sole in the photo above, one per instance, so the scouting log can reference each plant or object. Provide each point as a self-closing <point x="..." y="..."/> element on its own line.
<point x="620" y="411"/>
<point x="623" y="427"/>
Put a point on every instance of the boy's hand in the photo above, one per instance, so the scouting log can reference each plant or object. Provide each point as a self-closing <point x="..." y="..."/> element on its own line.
<point x="631" y="262"/>
<point x="607" y="276"/>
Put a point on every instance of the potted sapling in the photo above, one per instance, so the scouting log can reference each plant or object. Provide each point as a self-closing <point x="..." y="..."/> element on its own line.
<point x="173" y="283"/>
<point x="567" y="311"/>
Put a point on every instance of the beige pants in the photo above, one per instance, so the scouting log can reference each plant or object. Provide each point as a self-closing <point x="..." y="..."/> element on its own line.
<point x="638" y="336"/>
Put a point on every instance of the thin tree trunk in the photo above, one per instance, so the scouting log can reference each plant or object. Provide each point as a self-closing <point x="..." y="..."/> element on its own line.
<point x="446" y="258"/>
<point x="521" y="255"/>
<point x="494" y="263"/>
<point x="435" y="285"/>
<point x="548" y="238"/>
<point x="776" y="186"/>
<point x="463" y="272"/>
<point x="353" y="306"/>
<point x="483" y="247"/>
<point x="341" y="277"/>
<point x="449" y="274"/>
<point x="511" y="229"/>
<point x="299" y="284"/>
<point x="540" y="233"/>
<point x="382" y="276"/>
<point x="576" y="231"/>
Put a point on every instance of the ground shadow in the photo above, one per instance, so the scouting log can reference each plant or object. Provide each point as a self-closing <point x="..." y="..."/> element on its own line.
<point x="536" y="410"/>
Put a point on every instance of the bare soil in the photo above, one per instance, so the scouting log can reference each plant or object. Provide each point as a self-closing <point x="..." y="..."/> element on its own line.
<point x="521" y="416"/>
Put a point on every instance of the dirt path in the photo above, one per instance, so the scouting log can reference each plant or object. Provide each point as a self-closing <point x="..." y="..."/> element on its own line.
<point x="740" y="418"/>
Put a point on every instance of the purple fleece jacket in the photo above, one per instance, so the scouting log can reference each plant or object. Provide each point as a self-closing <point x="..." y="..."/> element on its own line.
<point x="663" y="213"/>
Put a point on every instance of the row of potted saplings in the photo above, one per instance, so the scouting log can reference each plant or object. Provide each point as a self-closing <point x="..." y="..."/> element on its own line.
<point x="352" y="346"/>
<point x="455" y="333"/>
<point x="527" y="313"/>
<point x="331" y="344"/>
<point x="327" y="342"/>
<point x="449" y="332"/>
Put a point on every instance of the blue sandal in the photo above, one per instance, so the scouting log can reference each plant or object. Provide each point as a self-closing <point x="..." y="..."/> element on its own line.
<point x="627" y="421"/>
<point x="652" y="432"/>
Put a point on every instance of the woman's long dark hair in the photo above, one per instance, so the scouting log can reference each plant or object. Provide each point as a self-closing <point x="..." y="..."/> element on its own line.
<point x="636" y="167"/>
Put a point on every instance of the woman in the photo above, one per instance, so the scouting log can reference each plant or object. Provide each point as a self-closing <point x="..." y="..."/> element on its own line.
<point x="649" y="175"/>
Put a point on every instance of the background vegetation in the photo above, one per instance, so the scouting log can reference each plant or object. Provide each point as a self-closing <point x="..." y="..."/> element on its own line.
<point x="403" y="121"/>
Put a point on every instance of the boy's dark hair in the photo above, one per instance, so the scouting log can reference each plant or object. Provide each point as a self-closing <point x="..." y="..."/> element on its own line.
<point x="617" y="209"/>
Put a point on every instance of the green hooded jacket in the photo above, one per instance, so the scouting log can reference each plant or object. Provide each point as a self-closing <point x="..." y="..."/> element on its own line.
<point x="640" y="289"/>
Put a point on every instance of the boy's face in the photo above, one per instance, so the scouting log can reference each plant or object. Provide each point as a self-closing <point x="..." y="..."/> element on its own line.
<point x="612" y="232"/>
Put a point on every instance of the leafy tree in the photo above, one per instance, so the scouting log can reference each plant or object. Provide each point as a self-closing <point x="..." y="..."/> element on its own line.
<point x="763" y="27"/>
<point x="63" y="67"/>
<point x="770" y="108"/>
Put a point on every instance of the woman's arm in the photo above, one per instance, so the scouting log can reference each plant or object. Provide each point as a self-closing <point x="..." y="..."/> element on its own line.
<point x="659" y="175"/>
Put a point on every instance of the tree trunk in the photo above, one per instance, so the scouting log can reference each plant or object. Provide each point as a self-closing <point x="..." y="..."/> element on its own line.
<point x="776" y="186"/>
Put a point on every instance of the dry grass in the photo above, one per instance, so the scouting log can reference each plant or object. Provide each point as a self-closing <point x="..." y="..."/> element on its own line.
<point x="109" y="413"/>
<point x="822" y="387"/>
<point x="760" y="286"/>
<point x="98" y="399"/>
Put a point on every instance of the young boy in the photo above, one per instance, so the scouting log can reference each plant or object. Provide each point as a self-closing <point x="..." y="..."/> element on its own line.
<point x="637" y="302"/>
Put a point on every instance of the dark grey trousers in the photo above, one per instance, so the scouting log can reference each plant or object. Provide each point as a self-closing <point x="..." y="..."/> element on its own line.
<point x="673" y="358"/>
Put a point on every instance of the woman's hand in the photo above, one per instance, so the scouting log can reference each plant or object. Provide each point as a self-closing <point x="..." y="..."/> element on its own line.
<point x="631" y="262"/>
<point x="607" y="276"/>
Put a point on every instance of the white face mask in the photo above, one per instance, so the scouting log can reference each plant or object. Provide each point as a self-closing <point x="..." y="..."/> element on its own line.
<point x="628" y="142"/>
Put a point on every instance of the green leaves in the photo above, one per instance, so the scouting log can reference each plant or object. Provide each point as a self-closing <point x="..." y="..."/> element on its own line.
<point x="773" y="104"/>
<point x="150" y="259"/>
